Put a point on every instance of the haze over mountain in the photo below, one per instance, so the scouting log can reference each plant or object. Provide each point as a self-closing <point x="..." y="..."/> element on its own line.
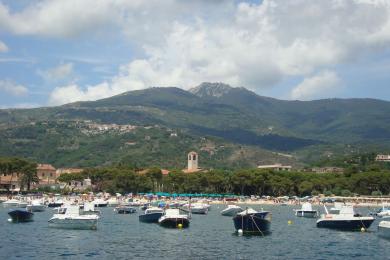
<point x="225" y="114"/>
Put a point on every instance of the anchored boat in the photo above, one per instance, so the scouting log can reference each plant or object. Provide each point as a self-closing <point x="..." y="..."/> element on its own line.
<point x="306" y="211"/>
<point x="251" y="221"/>
<point x="21" y="215"/>
<point x="384" y="229"/>
<point x="173" y="219"/>
<point x="151" y="215"/>
<point x="36" y="206"/>
<point x="231" y="210"/>
<point x="125" y="210"/>
<point x="71" y="219"/>
<point x="346" y="219"/>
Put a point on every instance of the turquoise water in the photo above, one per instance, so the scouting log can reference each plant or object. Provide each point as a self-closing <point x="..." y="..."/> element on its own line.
<point x="208" y="237"/>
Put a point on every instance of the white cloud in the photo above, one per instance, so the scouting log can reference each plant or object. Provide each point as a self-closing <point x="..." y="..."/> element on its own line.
<point x="3" y="47"/>
<point x="184" y="43"/>
<point x="12" y="88"/>
<point x="324" y="84"/>
<point x="60" y="72"/>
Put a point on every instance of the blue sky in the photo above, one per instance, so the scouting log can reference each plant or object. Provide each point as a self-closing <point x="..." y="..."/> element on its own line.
<point x="55" y="52"/>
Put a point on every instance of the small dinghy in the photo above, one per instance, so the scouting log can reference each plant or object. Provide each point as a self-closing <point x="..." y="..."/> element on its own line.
<point x="251" y="221"/>
<point x="306" y="211"/>
<point x="125" y="210"/>
<point x="173" y="219"/>
<point x="346" y="219"/>
<point x="231" y="210"/>
<point x="20" y="215"/>
<point x="151" y="215"/>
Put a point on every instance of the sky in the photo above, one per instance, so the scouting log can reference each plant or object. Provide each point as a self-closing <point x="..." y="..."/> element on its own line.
<point x="54" y="52"/>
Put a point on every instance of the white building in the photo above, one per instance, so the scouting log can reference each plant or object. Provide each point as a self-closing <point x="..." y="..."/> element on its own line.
<point x="382" y="158"/>
<point x="275" y="167"/>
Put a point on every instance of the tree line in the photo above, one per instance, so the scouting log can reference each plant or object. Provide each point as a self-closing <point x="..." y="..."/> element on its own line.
<point x="240" y="182"/>
<point x="125" y="179"/>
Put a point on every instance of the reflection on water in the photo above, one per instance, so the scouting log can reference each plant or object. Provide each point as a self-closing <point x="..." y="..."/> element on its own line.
<point x="209" y="236"/>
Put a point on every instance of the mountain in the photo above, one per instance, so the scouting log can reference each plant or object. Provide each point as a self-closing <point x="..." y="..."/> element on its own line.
<point x="249" y="124"/>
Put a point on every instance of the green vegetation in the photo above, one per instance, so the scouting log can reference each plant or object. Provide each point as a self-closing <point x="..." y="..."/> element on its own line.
<point x="243" y="182"/>
<point x="27" y="169"/>
<point x="248" y="126"/>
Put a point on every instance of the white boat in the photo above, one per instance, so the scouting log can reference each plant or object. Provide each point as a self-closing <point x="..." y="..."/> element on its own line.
<point x="100" y="203"/>
<point x="383" y="212"/>
<point x="306" y="211"/>
<point x="231" y="210"/>
<point x="384" y="229"/>
<point x="173" y="219"/>
<point x="346" y="219"/>
<point x="14" y="203"/>
<point x="89" y="209"/>
<point x="36" y="206"/>
<point x="196" y="208"/>
<point x="71" y="219"/>
<point x="113" y="202"/>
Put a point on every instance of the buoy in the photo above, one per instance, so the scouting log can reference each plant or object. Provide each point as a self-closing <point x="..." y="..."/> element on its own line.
<point x="363" y="229"/>
<point x="289" y="222"/>
<point x="240" y="232"/>
<point x="180" y="225"/>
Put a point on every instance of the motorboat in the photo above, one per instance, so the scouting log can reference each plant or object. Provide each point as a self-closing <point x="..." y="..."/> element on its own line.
<point x="55" y="204"/>
<point x="125" y="210"/>
<point x="36" y="206"/>
<point x="151" y="215"/>
<point x="71" y="219"/>
<point x="346" y="219"/>
<point x="306" y="211"/>
<point x="250" y="221"/>
<point x="15" y="203"/>
<point x="113" y="202"/>
<point x="231" y="210"/>
<point x="89" y="209"/>
<point x="196" y="208"/>
<point x="21" y="215"/>
<point x="173" y="219"/>
<point x="100" y="203"/>
<point x="383" y="212"/>
<point x="384" y="229"/>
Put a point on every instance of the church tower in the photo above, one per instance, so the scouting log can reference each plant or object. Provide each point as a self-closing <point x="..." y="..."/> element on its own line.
<point x="192" y="161"/>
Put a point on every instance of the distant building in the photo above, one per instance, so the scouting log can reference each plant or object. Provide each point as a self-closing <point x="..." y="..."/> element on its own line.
<point x="275" y="167"/>
<point x="75" y="185"/>
<point x="382" y="158"/>
<point x="327" y="170"/>
<point x="192" y="163"/>
<point x="46" y="174"/>
<point x="10" y="182"/>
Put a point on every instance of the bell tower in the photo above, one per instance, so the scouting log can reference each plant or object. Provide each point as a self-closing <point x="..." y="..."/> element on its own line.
<point x="192" y="161"/>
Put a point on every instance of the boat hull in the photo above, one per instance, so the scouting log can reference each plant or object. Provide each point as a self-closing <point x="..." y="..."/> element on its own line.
<point x="256" y="223"/>
<point x="125" y="210"/>
<point x="174" y="222"/>
<point x="21" y="215"/>
<point x="352" y="225"/>
<point x="150" y="217"/>
<point x="306" y="213"/>
<point x="54" y="204"/>
<point x="73" y="223"/>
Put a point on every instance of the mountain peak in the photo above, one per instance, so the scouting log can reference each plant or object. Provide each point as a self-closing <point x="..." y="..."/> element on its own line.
<point x="207" y="89"/>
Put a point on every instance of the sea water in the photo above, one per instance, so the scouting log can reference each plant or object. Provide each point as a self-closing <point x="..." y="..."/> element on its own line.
<point x="209" y="236"/>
